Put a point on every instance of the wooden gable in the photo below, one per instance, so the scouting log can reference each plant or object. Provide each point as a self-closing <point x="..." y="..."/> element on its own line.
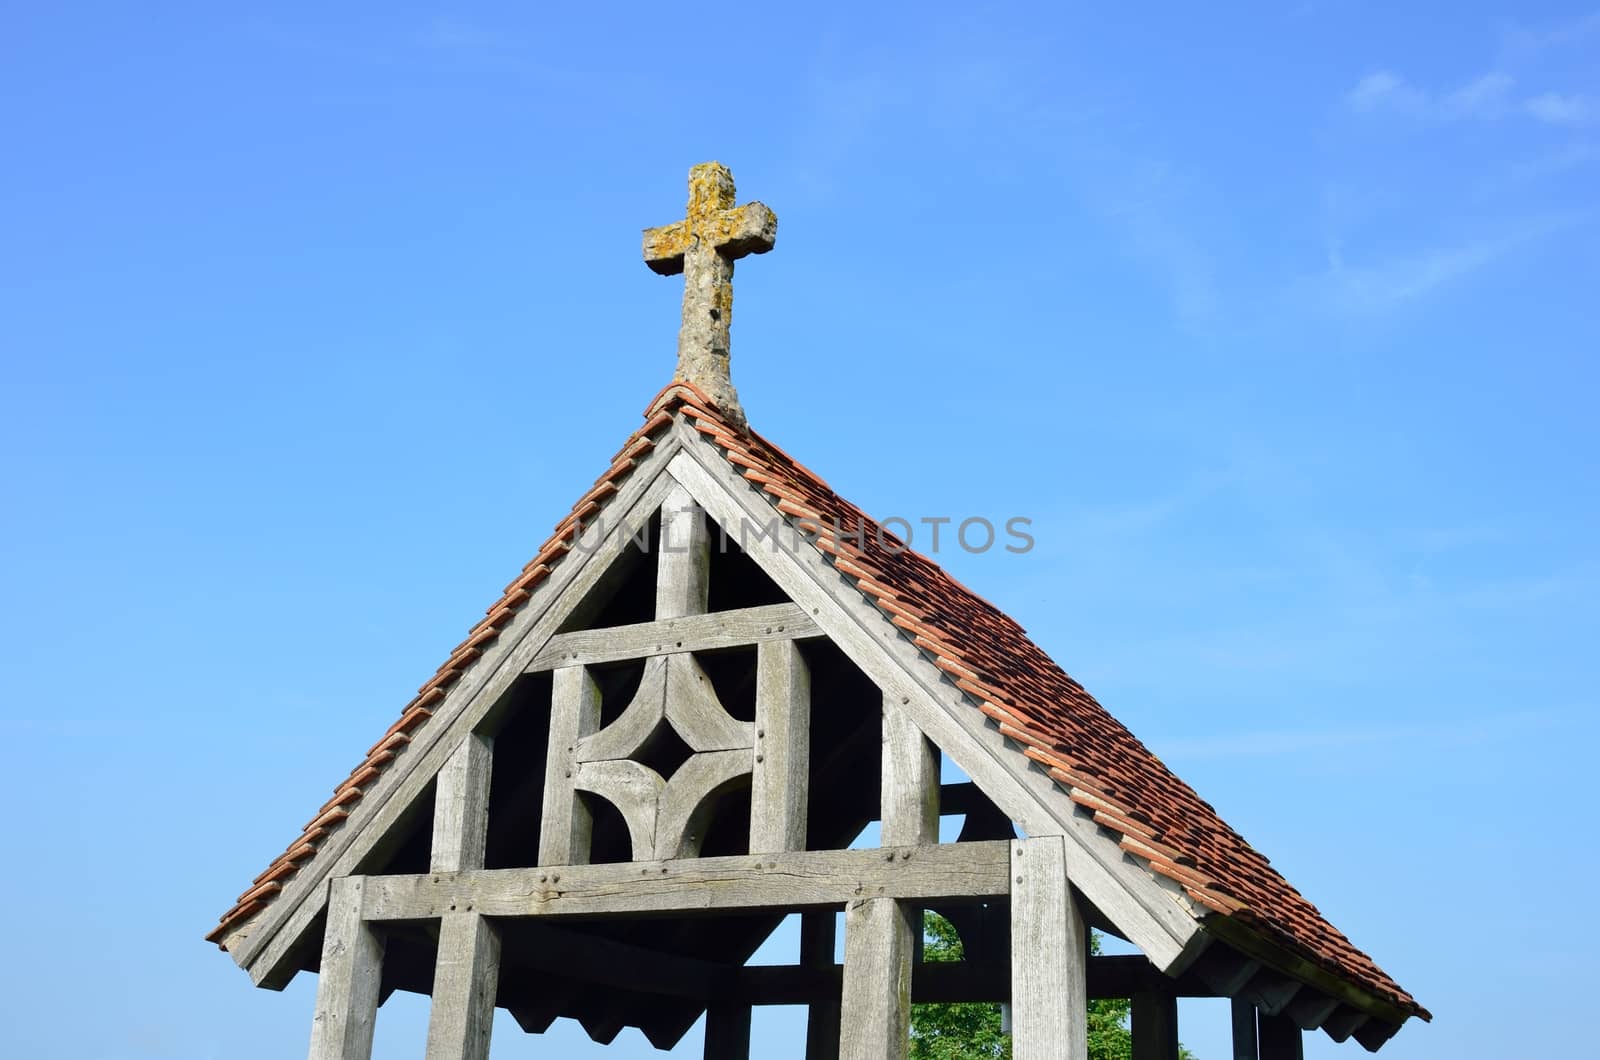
<point x="668" y="741"/>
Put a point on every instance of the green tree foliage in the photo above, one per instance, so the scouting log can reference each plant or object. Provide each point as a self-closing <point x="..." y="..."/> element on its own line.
<point x="971" y="1030"/>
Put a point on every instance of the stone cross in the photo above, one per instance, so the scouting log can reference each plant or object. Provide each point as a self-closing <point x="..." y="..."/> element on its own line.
<point x="703" y="246"/>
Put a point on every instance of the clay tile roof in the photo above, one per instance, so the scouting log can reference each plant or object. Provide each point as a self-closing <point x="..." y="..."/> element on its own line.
<point x="1098" y="763"/>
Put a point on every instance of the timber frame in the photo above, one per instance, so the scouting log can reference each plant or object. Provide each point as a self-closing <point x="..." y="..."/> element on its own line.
<point x="618" y="692"/>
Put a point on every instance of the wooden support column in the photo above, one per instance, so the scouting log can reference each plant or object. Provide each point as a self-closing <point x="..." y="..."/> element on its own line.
<point x="910" y="809"/>
<point x="347" y="986"/>
<point x="464" y="983"/>
<point x="875" y="1006"/>
<point x="565" y="825"/>
<point x="466" y="975"/>
<point x="1049" y="956"/>
<point x="818" y="938"/>
<point x="1244" y="1030"/>
<point x="1155" y="1025"/>
<point x="1279" y="1038"/>
<point x="783" y="749"/>
<point x="684" y="559"/>
<point x="728" y="1031"/>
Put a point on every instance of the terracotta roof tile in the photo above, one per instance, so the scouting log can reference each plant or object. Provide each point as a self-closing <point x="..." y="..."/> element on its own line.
<point x="1097" y="762"/>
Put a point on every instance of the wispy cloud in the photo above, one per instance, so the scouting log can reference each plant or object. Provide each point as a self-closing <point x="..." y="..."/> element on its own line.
<point x="1390" y="282"/>
<point x="1484" y="98"/>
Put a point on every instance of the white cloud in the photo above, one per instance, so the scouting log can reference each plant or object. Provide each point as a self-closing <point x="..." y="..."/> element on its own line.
<point x="1556" y="108"/>
<point x="1486" y="97"/>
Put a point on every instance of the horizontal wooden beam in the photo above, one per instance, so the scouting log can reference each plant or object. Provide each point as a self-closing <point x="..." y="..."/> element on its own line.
<point x="748" y="883"/>
<point x="710" y="632"/>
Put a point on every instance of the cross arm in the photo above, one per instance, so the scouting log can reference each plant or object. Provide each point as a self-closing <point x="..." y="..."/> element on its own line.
<point x="734" y="232"/>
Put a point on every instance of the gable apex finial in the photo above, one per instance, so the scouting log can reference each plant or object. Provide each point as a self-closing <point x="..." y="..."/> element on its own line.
<point x="703" y="246"/>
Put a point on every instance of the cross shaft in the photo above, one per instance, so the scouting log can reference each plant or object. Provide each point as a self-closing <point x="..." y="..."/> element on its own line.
<point x="703" y="246"/>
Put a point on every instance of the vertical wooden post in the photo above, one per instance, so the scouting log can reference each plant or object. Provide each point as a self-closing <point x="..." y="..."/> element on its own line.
<point x="684" y="557"/>
<point x="1049" y="956"/>
<point x="1279" y="1038"/>
<point x="728" y="1031"/>
<point x="875" y="1007"/>
<point x="347" y="986"/>
<point x="910" y="807"/>
<point x="1244" y="1030"/>
<point x="565" y="825"/>
<point x="461" y="807"/>
<point x="1155" y="1026"/>
<point x="818" y="937"/>
<point x="465" y="980"/>
<point x="466" y="975"/>
<point x="783" y="749"/>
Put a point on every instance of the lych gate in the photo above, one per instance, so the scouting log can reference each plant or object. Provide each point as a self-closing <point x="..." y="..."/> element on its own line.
<point x="668" y="732"/>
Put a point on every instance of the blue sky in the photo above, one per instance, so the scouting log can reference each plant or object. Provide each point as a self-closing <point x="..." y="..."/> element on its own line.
<point x="1278" y="322"/>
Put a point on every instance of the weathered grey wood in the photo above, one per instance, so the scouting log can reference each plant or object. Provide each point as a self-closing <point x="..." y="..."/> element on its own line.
<point x="713" y="632"/>
<point x="689" y="800"/>
<point x="1344" y="1022"/>
<point x="634" y="789"/>
<point x="1279" y="1038"/>
<point x="818" y="940"/>
<point x="778" y="790"/>
<point x="941" y="982"/>
<point x="697" y="714"/>
<point x="347" y="986"/>
<point x="1227" y="971"/>
<point x="565" y="824"/>
<point x="1272" y="992"/>
<point x="638" y="721"/>
<point x="684" y="562"/>
<point x="910" y="797"/>
<point x="795" y="880"/>
<point x="461" y="806"/>
<point x="1148" y="912"/>
<point x="464" y="983"/>
<point x="875" y="1006"/>
<point x="1155" y="1025"/>
<point x="268" y="948"/>
<point x="1244" y="1030"/>
<point x="1049" y="951"/>
<point x="727" y="1031"/>
<point x="1309" y="1009"/>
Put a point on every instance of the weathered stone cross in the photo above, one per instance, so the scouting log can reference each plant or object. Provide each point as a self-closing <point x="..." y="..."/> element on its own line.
<point x="704" y="247"/>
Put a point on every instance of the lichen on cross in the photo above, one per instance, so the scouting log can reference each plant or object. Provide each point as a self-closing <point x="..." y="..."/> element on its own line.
<point x="704" y="246"/>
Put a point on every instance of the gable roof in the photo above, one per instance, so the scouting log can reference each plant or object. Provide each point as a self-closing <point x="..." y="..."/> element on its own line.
<point x="1099" y="765"/>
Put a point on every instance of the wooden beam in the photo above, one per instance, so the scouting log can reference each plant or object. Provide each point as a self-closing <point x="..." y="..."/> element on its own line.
<point x="778" y="791"/>
<point x="714" y="632"/>
<point x="818" y="940"/>
<point x="465" y="981"/>
<point x="461" y="807"/>
<point x="1279" y="1038"/>
<point x="1343" y="1023"/>
<point x="943" y="982"/>
<point x="1244" y="1030"/>
<point x="1272" y="992"/>
<point x="1155" y="1025"/>
<point x="565" y="824"/>
<point x="1049" y="951"/>
<point x="684" y="557"/>
<point x="910" y="802"/>
<point x="1309" y="1009"/>
<point x="577" y="956"/>
<point x="746" y="883"/>
<point x="727" y="1031"/>
<point x="348" y="984"/>
<point x="875" y="1002"/>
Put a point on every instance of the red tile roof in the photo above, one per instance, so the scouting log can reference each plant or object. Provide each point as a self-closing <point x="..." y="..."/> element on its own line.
<point x="1102" y="766"/>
